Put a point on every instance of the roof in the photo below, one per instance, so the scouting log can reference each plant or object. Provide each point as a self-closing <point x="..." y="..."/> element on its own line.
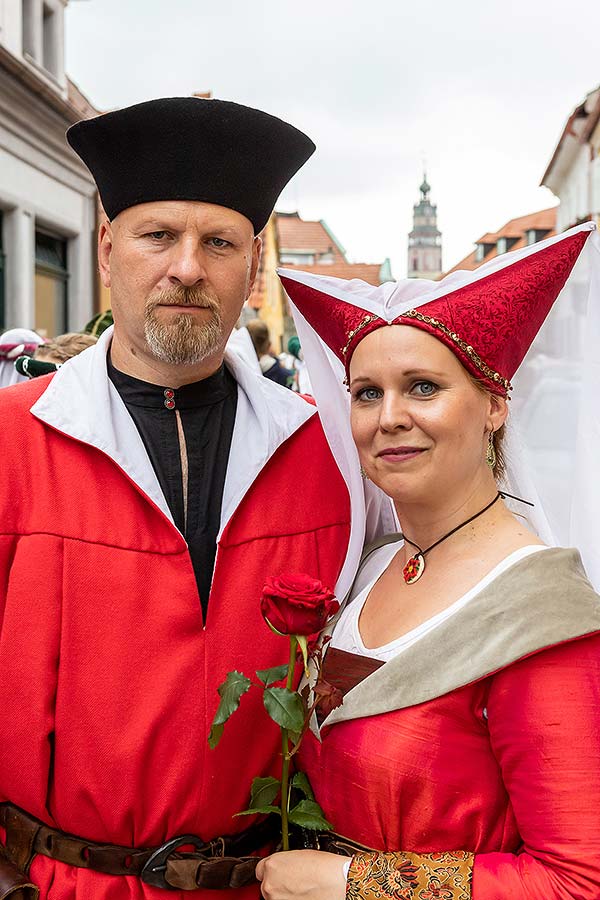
<point x="372" y="273"/>
<point x="544" y="220"/>
<point x="299" y="236"/>
<point x="577" y="130"/>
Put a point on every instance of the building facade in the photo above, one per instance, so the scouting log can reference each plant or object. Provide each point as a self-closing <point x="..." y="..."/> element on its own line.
<point x="288" y="241"/>
<point x="573" y="173"/>
<point x="48" y="205"/>
<point x="425" y="240"/>
<point x="517" y="233"/>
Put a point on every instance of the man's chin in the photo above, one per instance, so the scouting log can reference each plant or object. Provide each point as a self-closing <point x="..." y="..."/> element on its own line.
<point x="182" y="344"/>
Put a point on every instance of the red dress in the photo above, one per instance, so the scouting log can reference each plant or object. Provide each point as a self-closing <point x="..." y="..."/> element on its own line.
<point x="505" y="767"/>
<point x="108" y="675"/>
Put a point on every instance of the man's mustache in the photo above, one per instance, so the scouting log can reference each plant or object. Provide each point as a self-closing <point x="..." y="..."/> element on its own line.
<point x="183" y="296"/>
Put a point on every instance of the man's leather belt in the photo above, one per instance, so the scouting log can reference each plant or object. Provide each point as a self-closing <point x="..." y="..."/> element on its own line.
<point x="221" y="863"/>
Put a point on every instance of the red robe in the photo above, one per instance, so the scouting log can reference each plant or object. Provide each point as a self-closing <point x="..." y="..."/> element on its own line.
<point x="504" y="765"/>
<point x="108" y="675"/>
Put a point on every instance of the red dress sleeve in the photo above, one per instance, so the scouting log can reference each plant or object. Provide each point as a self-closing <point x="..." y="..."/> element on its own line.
<point x="544" y="723"/>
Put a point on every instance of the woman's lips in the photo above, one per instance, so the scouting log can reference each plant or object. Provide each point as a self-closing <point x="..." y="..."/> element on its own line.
<point x="400" y="454"/>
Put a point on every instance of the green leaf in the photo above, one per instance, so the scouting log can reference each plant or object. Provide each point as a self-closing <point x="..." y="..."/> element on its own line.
<point x="301" y="782"/>
<point x="270" y="676"/>
<point x="234" y="686"/>
<point x="214" y="736"/>
<point x="264" y="791"/>
<point x="308" y="814"/>
<point x="285" y="708"/>
<point x="303" y="644"/>
<point x="262" y="809"/>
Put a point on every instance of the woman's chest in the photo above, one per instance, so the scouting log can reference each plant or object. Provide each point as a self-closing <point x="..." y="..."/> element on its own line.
<point x="424" y="777"/>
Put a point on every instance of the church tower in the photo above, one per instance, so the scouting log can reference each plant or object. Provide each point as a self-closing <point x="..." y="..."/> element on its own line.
<point x="424" y="241"/>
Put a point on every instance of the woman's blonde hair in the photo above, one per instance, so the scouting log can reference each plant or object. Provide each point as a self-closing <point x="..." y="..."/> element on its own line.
<point x="500" y="467"/>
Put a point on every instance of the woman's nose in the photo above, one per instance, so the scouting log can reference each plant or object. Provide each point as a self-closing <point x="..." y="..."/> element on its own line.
<point x="394" y="413"/>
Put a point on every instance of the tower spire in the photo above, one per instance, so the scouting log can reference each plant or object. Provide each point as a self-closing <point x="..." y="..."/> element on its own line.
<point x="425" y="240"/>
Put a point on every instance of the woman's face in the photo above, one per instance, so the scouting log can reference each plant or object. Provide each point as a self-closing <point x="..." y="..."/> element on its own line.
<point x="420" y="424"/>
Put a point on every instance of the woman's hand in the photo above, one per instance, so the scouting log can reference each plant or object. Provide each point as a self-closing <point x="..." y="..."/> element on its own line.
<point x="302" y="875"/>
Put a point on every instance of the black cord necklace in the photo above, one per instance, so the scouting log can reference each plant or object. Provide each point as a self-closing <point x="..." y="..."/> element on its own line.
<point x="415" y="566"/>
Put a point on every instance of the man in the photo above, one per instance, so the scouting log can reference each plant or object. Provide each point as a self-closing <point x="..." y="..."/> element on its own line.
<point x="131" y="573"/>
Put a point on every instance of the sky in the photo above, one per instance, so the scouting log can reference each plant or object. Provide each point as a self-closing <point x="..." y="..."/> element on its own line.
<point x="479" y="90"/>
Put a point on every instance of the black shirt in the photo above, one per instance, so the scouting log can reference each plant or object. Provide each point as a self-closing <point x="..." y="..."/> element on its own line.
<point x="187" y="433"/>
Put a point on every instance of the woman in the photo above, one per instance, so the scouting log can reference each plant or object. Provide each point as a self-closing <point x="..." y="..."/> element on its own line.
<point x="466" y="753"/>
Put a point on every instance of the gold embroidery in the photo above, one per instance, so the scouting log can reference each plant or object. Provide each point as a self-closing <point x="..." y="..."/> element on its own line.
<point x="410" y="876"/>
<point x="355" y="331"/>
<point x="466" y="348"/>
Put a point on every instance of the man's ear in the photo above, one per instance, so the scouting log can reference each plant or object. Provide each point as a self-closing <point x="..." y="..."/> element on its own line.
<point x="105" y="244"/>
<point x="256" y="254"/>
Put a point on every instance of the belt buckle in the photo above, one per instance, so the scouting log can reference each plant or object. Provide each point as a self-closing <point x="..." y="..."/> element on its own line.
<point x="155" y="869"/>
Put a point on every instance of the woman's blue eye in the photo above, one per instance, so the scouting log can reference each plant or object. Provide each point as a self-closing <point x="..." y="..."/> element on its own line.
<point x="368" y="394"/>
<point x="425" y="388"/>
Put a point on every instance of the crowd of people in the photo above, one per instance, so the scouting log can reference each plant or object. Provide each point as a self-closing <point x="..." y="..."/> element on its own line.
<point x="167" y="478"/>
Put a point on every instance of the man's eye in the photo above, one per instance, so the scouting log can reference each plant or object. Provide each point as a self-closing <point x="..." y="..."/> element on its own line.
<point x="157" y="235"/>
<point x="368" y="393"/>
<point x="218" y="242"/>
<point x="424" y="388"/>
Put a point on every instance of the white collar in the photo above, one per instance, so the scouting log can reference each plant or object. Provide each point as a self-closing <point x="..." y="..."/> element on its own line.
<point x="81" y="402"/>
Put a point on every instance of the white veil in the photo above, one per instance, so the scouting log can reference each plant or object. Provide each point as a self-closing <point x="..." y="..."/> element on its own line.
<point x="554" y="424"/>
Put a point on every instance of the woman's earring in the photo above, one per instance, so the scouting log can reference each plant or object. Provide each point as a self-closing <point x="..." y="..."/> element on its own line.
<point x="490" y="456"/>
<point x="364" y="474"/>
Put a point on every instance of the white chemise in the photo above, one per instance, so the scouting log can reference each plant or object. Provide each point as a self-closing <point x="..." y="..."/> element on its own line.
<point x="346" y="635"/>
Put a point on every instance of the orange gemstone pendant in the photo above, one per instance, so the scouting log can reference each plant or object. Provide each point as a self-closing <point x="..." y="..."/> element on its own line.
<point x="413" y="569"/>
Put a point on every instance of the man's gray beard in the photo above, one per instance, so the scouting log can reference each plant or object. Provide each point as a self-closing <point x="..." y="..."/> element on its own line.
<point x="184" y="342"/>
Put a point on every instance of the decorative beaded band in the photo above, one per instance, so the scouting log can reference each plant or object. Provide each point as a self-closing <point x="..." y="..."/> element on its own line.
<point x="354" y="332"/>
<point x="466" y="348"/>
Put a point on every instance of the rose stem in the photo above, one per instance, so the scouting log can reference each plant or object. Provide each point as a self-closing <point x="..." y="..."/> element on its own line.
<point x="285" y="769"/>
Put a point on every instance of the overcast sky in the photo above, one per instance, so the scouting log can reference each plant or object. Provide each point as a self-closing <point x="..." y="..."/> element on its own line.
<point x="480" y="89"/>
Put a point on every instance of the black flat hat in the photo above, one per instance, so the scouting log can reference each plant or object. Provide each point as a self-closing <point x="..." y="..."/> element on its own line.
<point x="187" y="148"/>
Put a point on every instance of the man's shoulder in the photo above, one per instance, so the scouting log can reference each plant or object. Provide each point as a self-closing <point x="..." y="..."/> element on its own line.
<point x="17" y="400"/>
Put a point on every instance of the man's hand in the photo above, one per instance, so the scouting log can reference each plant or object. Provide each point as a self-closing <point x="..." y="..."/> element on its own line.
<point x="302" y="875"/>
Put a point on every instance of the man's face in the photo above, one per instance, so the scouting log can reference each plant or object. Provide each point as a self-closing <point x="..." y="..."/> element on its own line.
<point x="179" y="273"/>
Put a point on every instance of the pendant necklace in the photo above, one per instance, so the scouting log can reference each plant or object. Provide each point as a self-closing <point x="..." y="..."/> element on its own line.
<point x="415" y="566"/>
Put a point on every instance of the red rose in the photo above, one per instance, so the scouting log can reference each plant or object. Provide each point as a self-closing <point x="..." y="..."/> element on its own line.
<point x="297" y="604"/>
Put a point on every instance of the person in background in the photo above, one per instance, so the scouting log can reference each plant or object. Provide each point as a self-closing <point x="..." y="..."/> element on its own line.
<point x="270" y="366"/>
<point x="64" y="347"/>
<point x="50" y="356"/>
<point x="99" y="323"/>
<point x="15" y="343"/>
<point x="302" y="376"/>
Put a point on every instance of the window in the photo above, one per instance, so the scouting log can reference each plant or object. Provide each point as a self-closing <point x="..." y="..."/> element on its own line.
<point x="28" y="20"/>
<point x="49" y="41"/>
<point x="51" y="278"/>
<point x="297" y="259"/>
<point x="480" y="253"/>
<point x="536" y="234"/>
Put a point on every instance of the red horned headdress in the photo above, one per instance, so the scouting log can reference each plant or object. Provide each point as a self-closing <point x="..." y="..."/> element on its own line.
<point x="488" y="318"/>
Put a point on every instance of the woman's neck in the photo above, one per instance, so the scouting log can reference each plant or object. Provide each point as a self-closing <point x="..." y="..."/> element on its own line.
<point x="425" y="522"/>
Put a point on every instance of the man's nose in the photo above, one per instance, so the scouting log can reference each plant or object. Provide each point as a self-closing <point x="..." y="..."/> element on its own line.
<point x="186" y="263"/>
<point x="394" y="412"/>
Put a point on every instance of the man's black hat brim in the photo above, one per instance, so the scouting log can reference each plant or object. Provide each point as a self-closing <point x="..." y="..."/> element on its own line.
<point x="187" y="148"/>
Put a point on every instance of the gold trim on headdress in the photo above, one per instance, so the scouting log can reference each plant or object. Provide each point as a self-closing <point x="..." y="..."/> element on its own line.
<point x="359" y="327"/>
<point x="466" y="348"/>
